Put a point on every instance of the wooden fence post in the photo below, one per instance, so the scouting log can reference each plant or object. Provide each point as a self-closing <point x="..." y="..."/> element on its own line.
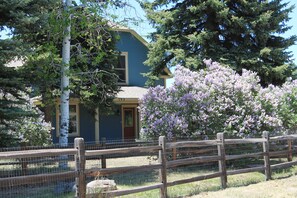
<point x="222" y="161"/>
<point x="103" y="157"/>
<point x="290" y="152"/>
<point x="80" y="163"/>
<point x="174" y="150"/>
<point x="24" y="161"/>
<point x="163" y="170"/>
<point x="266" y="155"/>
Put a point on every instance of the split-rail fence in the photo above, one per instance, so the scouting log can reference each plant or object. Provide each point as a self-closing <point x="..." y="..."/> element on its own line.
<point x="81" y="154"/>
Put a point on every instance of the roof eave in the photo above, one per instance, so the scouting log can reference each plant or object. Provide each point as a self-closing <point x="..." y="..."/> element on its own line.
<point x="142" y="40"/>
<point x="126" y="100"/>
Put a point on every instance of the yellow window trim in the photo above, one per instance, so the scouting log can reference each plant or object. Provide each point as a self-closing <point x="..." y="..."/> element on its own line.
<point x="126" y="68"/>
<point x="75" y="102"/>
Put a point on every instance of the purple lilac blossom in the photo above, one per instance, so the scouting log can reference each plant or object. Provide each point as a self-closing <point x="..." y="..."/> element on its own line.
<point x="217" y="99"/>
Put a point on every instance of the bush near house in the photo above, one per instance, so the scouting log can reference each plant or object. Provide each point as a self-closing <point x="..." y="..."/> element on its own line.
<point x="217" y="99"/>
<point x="29" y="130"/>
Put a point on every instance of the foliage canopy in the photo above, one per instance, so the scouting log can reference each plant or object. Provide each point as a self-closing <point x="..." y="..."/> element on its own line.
<point x="242" y="34"/>
<point x="36" y="32"/>
<point x="93" y="57"/>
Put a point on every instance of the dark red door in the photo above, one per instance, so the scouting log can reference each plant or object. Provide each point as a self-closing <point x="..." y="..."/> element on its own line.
<point x="129" y="123"/>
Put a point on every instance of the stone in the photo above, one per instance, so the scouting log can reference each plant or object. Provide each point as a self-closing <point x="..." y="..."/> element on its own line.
<point x="100" y="186"/>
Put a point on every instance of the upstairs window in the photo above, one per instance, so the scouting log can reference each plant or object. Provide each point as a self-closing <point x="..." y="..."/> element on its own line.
<point x="122" y="68"/>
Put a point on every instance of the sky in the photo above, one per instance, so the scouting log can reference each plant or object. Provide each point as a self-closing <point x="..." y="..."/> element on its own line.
<point x="293" y="30"/>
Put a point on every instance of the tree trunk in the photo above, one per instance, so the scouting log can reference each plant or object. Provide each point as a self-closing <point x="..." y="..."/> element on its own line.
<point x="64" y="106"/>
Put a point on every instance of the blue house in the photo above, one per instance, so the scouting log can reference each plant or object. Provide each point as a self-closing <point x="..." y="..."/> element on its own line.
<point x="124" y="122"/>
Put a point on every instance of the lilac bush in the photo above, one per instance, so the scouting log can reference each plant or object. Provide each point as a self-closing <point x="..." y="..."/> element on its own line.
<point x="217" y="99"/>
<point x="281" y="102"/>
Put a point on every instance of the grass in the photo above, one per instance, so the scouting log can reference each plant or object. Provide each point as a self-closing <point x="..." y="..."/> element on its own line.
<point x="141" y="179"/>
<point x="132" y="180"/>
<point x="280" y="188"/>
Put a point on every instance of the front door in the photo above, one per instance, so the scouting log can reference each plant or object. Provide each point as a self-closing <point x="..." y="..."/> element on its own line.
<point x="129" y="122"/>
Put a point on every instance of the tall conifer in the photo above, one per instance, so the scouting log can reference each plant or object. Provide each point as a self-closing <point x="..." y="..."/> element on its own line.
<point x="24" y="21"/>
<point x="240" y="33"/>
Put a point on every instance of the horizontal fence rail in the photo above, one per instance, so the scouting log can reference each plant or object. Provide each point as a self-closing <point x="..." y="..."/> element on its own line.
<point x="111" y="171"/>
<point x="284" y="137"/>
<point x="146" y="149"/>
<point x="244" y="141"/>
<point x="191" y="144"/>
<point x="210" y="151"/>
<point x="36" y="153"/>
<point x="133" y="190"/>
<point x="36" y="179"/>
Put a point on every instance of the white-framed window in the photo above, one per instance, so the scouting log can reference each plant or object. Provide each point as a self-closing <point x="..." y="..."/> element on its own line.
<point x="122" y="69"/>
<point x="73" y="119"/>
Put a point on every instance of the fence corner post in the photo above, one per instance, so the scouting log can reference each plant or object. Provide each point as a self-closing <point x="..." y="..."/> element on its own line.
<point x="163" y="170"/>
<point x="290" y="152"/>
<point x="266" y="155"/>
<point x="174" y="150"/>
<point x="222" y="161"/>
<point x="80" y="163"/>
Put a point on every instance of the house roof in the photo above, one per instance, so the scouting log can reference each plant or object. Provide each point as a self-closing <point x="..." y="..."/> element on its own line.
<point x="120" y="28"/>
<point x="131" y="92"/>
<point x="15" y="63"/>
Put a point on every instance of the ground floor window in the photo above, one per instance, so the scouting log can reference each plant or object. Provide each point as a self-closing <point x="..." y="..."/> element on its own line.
<point x="73" y="119"/>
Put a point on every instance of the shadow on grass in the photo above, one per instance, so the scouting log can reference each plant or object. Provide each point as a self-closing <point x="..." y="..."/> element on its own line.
<point x="136" y="179"/>
<point x="35" y="191"/>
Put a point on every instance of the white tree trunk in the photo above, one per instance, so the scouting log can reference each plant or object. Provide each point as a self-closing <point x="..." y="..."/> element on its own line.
<point x="64" y="107"/>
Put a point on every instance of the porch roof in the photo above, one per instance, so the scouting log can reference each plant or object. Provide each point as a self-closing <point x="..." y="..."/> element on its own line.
<point x="131" y="92"/>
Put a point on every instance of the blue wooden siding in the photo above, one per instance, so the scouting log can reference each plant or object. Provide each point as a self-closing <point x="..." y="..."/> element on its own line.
<point x="110" y="126"/>
<point x="137" y="54"/>
<point x="87" y="125"/>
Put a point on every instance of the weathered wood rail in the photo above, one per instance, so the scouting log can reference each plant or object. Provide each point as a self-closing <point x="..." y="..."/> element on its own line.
<point x="80" y="155"/>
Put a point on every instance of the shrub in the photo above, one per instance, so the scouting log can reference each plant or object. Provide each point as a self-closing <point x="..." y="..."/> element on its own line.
<point x="30" y="130"/>
<point x="217" y="99"/>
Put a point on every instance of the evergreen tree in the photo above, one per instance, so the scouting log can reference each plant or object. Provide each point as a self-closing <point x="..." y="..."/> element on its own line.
<point x="23" y="19"/>
<point x="240" y="33"/>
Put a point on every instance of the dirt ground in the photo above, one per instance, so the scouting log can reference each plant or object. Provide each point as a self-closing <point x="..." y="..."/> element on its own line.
<point x="280" y="188"/>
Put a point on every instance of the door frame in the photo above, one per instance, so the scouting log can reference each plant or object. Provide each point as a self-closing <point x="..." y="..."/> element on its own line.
<point x="134" y="106"/>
